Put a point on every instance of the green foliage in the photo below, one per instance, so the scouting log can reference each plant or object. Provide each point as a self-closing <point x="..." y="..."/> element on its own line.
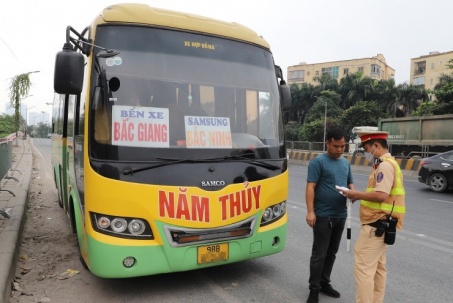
<point x="354" y="88"/>
<point x="18" y="88"/>
<point x="425" y="109"/>
<point x="449" y="64"/>
<point x="302" y="96"/>
<point x="317" y="111"/>
<point x="6" y="125"/>
<point x="444" y="89"/>
<point x="41" y="130"/>
<point x="314" y="131"/>
<point x="444" y="108"/>
<point x="358" y="100"/>
<point x="409" y="97"/>
<point x="364" y="113"/>
<point x="433" y="108"/>
<point x="385" y="93"/>
<point x="326" y="82"/>
<point x="292" y="131"/>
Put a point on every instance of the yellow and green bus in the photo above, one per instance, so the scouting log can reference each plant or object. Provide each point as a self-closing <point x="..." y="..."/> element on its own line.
<point x="168" y="146"/>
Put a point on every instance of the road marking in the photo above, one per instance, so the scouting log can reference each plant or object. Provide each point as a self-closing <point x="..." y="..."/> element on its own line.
<point x="441" y="201"/>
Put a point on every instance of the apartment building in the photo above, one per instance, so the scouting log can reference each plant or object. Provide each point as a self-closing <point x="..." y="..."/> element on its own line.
<point x="375" y="67"/>
<point x="426" y="70"/>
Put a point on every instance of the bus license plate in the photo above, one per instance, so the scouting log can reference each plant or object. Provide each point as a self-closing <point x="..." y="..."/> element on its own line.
<point x="212" y="253"/>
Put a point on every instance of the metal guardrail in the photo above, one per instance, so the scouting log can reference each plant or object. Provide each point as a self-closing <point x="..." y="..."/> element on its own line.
<point x="305" y="145"/>
<point x="6" y="159"/>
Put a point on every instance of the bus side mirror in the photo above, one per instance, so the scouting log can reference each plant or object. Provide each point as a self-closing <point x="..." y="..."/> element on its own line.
<point x="285" y="96"/>
<point x="68" y="74"/>
<point x="285" y="91"/>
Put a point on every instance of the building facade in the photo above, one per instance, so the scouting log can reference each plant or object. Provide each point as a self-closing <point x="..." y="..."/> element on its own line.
<point x="426" y="70"/>
<point x="375" y="67"/>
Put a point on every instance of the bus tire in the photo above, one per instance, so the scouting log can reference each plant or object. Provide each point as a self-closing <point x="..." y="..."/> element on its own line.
<point x="84" y="264"/>
<point x="73" y="223"/>
<point x="60" y="194"/>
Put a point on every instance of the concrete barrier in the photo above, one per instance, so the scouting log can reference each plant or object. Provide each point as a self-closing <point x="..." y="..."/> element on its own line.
<point x="405" y="164"/>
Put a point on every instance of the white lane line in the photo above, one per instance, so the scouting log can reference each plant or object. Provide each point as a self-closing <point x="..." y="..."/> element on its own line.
<point x="441" y="201"/>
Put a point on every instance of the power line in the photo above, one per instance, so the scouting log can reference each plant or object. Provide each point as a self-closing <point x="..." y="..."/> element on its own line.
<point x="6" y="44"/>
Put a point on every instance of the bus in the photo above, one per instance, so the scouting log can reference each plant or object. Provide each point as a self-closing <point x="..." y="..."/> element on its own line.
<point x="168" y="146"/>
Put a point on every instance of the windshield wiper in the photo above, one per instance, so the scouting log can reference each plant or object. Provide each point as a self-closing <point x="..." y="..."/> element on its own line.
<point x="171" y="161"/>
<point x="253" y="161"/>
<point x="168" y="161"/>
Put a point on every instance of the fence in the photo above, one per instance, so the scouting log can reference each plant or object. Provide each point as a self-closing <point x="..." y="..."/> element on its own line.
<point x="305" y="146"/>
<point x="310" y="146"/>
<point x="306" y="151"/>
<point x="6" y="158"/>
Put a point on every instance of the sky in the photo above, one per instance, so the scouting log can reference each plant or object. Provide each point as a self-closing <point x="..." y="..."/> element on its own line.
<point x="311" y="31"/>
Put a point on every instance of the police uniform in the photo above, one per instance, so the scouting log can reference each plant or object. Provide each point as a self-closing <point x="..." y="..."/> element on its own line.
<point x="370" y="250"/>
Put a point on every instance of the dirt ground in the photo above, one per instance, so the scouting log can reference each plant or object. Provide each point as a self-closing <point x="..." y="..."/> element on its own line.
<point x="48" y="259"/>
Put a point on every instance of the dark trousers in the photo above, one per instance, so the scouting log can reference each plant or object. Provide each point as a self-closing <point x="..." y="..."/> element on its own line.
<point x="327" y="234"/>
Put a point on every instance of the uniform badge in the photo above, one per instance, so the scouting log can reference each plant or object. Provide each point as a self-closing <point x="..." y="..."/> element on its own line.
<point x="380" y="177"/>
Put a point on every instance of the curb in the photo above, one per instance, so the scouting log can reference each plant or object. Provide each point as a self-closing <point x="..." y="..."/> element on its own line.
<point x="11" y="236"/>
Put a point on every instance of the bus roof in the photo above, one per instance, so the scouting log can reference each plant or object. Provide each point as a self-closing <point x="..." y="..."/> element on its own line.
<point x="144" y="14"/>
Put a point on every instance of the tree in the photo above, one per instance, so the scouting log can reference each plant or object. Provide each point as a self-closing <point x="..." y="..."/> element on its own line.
<point x="6" y="125"/>
<point x="19" y="88"/>
<point x="409" y="97"/>
<point x="444" y="89"/>
<point x="385" y="93"/>
<point x="449" y="64"/>
<point x="353" y="88"/>
<point x="292" y="130"/>
<point x="302" y="97"/>
<point x="326" y="82"/>
<point x="41" y="130"/>
<point x="314" y="131"/>
<point x="425" y="109"/>
<point x="364" y="113"/>
<point x="318" y="110"/>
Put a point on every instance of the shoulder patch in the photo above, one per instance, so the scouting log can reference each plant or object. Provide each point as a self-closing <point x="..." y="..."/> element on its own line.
<point x="379" y="177"/>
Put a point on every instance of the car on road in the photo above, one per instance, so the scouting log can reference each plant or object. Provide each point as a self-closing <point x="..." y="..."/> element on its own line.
<point x="437" y="171"/>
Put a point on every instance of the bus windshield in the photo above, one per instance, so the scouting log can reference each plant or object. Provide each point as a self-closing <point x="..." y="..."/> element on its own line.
<point x="182" y="95"/>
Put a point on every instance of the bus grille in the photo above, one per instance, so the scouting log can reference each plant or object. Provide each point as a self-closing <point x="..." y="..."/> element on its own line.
<point x="178" y="236"/>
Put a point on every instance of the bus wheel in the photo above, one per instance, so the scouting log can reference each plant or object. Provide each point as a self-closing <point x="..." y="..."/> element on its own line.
<point x="60" y="195"/>
<point x="84" y="264"/>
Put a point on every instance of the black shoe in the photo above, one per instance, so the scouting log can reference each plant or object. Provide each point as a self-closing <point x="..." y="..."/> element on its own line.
<point x="328" y="290"/>
<point x="313" y="296"/>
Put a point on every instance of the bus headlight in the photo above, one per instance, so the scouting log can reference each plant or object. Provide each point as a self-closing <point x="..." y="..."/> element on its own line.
<point x="277" y="210"/>
<point x="267" y="215"/>
<point x="103" y="222"/>
<point x="273" y="213"/>
<point x="136" y="227"/>
<point x="123" y="227"/>
<point x="119" y="225"/>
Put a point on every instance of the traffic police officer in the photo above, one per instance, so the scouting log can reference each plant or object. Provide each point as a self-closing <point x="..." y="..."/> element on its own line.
<point x="381" y="205"/>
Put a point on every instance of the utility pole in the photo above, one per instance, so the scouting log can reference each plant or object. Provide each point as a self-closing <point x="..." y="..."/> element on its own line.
<point x="325" y="124"/>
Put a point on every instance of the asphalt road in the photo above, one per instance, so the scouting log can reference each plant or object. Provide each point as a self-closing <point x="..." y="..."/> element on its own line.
<point x="419" y="264"/>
